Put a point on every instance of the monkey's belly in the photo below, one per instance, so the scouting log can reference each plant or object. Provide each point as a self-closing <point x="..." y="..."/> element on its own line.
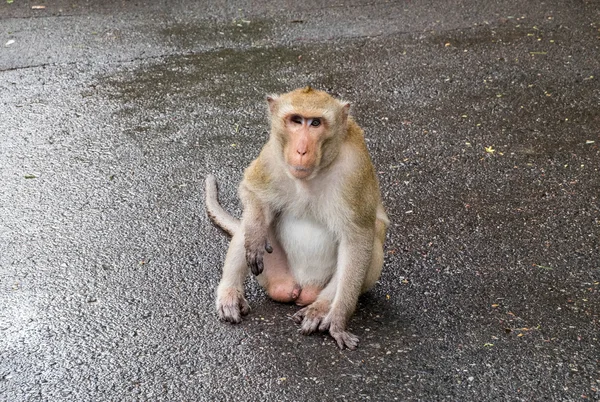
<point x="311" y="249"/>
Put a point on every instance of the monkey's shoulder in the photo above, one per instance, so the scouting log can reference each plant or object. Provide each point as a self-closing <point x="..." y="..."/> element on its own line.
<point x="257" y="174"/>
<point x="360" y="190"/>
<point x="354" y="134"/>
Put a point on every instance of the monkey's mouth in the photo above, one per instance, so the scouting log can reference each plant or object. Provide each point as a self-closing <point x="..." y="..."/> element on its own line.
<point x="300" y="172"/>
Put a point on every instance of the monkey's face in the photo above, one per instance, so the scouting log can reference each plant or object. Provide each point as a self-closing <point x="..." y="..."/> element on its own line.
<point x="306" y="123"/>
<point x="302" y="148"/>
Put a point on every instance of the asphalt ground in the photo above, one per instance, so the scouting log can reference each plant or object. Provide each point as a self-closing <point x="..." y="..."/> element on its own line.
<point x="482" y="119"/>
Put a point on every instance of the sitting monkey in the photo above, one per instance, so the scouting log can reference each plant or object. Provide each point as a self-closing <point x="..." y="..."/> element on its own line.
<point x="312" y="202"/>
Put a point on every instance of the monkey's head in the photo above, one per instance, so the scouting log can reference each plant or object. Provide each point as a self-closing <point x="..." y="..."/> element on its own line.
<point x="309" y="126"/>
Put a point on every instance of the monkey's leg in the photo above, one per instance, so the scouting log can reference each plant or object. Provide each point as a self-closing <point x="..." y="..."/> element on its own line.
<point x="374" y="271"/>
<point x="231" y="303"/>
<point x="354" y="260"/>
<point x="276" y="278"/>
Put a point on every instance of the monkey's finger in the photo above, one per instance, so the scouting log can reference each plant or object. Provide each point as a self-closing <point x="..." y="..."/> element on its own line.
<point x="257" y="266"/>
<point x="254" y="268"/>
<point x="260" y="265"/>
<point x="268" y="247"/>
<point x="250" y="263"/>
<point x="255" y="262"/>
<point x="351" y="342"/>
<point x="345" y="339"/>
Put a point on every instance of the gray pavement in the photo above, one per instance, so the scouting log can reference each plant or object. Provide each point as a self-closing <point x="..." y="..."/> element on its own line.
<point x="482" y="119"/>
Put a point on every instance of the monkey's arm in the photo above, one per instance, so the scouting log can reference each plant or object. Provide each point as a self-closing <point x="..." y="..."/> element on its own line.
<point x="257" y="217"/>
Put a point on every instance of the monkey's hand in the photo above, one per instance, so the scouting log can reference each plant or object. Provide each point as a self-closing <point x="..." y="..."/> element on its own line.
<point x="343" y="337"/>
<point x="255" y="250"/>
<point x="337" y="330"/>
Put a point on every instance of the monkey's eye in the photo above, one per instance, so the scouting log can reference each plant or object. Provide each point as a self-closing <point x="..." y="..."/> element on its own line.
<point x="316" y="122"/>
<point x="296" y="119"/>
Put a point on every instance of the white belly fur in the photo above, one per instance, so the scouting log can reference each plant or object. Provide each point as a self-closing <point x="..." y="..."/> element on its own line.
<point x="310" y="247"/>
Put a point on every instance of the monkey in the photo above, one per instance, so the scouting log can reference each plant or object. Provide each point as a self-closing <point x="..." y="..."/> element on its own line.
<point x="313" y="223"/>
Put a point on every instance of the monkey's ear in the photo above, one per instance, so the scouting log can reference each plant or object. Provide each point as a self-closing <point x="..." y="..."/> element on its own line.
<point x="272" y="101"/>
<point x="345" y="110"/>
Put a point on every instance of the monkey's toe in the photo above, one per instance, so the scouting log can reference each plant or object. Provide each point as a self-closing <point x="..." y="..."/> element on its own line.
<point x="309" y="325"/>
<point x="230" y="314"/>
<point x="299" y="316"/>
<point x="244" y="307"/>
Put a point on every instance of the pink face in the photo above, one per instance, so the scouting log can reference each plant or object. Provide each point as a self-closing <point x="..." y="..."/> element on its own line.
<point x="302" y="150"/>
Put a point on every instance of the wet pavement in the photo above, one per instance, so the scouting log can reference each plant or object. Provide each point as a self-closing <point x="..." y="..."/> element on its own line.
<point x="483" y="122"/>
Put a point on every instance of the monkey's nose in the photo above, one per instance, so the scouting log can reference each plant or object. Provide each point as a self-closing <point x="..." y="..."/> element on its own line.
<point x="302" y="151"/>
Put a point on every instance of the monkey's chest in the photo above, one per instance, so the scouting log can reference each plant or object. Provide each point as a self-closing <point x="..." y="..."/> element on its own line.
<point x="310" y="247"/>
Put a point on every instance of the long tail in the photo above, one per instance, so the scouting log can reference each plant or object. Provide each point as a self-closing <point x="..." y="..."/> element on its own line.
<point x="215" y="212"/>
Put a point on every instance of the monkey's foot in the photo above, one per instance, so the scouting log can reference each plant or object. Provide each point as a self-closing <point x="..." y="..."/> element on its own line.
<point x="311" y="317"/>
<point x="231" y="305"/>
